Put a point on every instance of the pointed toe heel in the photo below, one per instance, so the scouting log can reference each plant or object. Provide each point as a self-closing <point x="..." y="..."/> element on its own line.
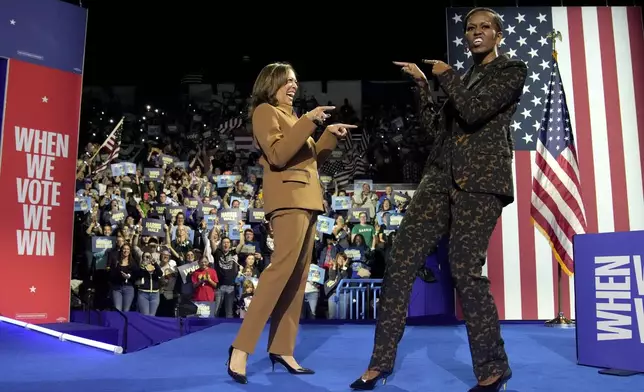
<point x="368" y="385"/>
<point x="278" y="359"/>
<point x="499" y="385"/>
<point x="237" y="377"/>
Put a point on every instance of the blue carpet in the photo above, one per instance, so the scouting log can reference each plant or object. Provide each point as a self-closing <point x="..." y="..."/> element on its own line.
<point x="430" y="359"/>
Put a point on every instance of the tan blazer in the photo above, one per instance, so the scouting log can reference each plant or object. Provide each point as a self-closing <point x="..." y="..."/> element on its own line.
<point x="290" y="158"/>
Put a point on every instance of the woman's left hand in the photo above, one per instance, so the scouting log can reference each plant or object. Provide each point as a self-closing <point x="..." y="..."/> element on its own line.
<point x="340" y="130"/>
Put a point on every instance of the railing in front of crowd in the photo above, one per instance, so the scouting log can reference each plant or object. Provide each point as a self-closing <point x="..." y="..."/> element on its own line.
<point x="358" y="297"/>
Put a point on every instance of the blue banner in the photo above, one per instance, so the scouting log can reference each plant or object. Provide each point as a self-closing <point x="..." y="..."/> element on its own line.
<point x="50" y="33"/>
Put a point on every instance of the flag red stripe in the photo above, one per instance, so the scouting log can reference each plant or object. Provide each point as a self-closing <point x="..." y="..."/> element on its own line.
<point x="495" y="268"/>
<point x="582" y="124"/>
<point x="636" y="34"/>
<point x="613" y="118"/>
<point x="566" y="166"/>
<point x="563" y="191"/>
<point x="543" y="223"/>
<point x="549" y="202"/>
<point x="529" y="304"/>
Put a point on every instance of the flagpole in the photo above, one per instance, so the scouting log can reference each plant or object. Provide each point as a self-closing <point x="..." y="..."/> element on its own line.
<point x="561" y="321"/>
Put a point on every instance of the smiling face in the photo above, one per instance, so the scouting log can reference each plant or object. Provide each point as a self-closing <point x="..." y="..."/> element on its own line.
<point x="483" y="33"/>
<point x="276" y="84"/>
<point x="286" y="93"/>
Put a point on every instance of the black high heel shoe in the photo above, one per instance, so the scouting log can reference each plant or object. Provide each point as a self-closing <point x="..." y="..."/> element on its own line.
<point x="240" y="378"/>
<point x="278" y="358"/>
<point x="367" y="385"/>
<point x="499" y="385"/>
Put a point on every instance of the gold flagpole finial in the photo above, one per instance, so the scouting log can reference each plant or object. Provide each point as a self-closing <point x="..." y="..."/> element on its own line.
<point x="553" y="36"/>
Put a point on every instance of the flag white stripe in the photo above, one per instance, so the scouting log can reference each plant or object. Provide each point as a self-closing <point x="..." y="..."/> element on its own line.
<point x="560" y="23"/>
<point x="511" y="257"/>
<point x="599" y="129"/>
<point x="628" y="112"/>
<point x="557" y="230"/>
<point x="544" y="266"/>
<point x="556" y="197"/>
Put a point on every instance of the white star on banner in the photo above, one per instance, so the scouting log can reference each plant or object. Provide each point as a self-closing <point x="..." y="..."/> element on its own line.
<point x="456" y="18"/>
<point x="13" y="22"/>
<point x="526" y="113"/>
<point x="534" y="76"/>
<point x="32" y="289"/>
<point x="542" y="18"/>
<point x="527" y="138"/>
<point x="45" y="99"/>
<point x="459" y="65"/>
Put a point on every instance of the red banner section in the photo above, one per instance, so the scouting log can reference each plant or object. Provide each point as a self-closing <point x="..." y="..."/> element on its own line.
<point x="37" y="181"/>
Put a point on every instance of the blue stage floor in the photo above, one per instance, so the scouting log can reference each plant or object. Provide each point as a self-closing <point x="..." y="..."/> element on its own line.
<point x="430" y="359"/>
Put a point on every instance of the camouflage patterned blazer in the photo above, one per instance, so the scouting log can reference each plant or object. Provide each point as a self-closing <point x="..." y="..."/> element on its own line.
<point x="472" y="140"/>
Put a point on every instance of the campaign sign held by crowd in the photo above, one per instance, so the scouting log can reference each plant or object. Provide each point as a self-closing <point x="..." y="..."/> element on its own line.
<point x="38" y="158"/>
<point x="609" y="292"/>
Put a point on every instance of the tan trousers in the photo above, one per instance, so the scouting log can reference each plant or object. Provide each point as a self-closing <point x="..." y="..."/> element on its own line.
<point x="280" y="290"/>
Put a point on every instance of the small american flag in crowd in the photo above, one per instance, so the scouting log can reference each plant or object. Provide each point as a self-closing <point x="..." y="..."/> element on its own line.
<point x="353" y="164"/>
<point x="112" y="145"/>
<point x="601" y="63"/>
<point x="557" y="207"/>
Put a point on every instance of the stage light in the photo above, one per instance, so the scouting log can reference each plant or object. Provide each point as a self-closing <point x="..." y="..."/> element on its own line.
<point x="111" y="121"/>
<point x="63" y="336"/>
<point x="156" y="110"/>
<point x="143" y="118"/>
<point x="148" y="107"/>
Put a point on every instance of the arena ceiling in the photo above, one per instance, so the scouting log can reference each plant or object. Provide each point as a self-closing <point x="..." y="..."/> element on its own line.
<point x="145" y="42"/>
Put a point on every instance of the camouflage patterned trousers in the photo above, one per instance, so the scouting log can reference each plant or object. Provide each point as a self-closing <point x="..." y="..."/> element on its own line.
<point x="469" y="218"/>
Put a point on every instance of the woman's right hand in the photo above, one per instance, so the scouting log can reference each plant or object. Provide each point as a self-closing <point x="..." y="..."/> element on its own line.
<point x="412" y="70"/>
<point x="318" y="114"/>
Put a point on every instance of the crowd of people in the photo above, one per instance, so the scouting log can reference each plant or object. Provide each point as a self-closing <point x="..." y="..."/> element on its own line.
<point x="183" y="223"/>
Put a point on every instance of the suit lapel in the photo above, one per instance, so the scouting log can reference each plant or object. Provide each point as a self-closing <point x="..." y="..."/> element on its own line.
<point x="476" y="79"/>
<point x="471" y="82"/>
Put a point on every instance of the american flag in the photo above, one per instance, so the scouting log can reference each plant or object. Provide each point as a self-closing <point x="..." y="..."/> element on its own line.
<point x="112" y="145"/>
<point x="557" y="208"/>
<point x="354" y="162"/>
<point x="605" y="48"/>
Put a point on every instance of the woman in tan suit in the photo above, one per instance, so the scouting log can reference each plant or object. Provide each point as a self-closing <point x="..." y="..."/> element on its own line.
<point x="292" y="201"/>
